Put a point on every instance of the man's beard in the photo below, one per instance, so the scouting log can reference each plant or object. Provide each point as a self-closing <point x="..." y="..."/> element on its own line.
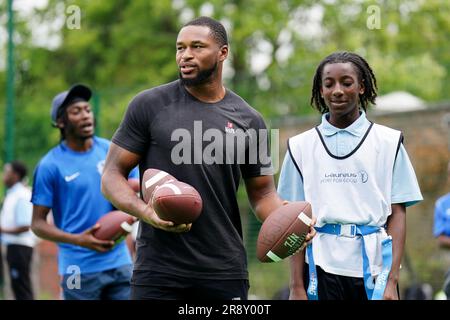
<point x="78" y="135"/>
<point x="74" y="132"/>
<point x="203" y="77"/>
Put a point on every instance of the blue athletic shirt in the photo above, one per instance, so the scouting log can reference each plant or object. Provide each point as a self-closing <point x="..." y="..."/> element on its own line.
<point x="68" y="182"/>
<point x="442" y="216"/>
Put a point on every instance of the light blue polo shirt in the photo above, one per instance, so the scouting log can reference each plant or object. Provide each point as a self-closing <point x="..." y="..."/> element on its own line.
<point x="340" y="142"/>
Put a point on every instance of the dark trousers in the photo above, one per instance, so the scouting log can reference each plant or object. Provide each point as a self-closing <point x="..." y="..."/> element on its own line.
<point x="171" y="287"/>
<point x="336" y="287"/>
<point x="2" y="276"/>
<point x="19" y="262"/>
<point x="447" y="284"/>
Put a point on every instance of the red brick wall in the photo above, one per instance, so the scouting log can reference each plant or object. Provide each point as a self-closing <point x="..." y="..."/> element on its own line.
<point x="47" y="264"/>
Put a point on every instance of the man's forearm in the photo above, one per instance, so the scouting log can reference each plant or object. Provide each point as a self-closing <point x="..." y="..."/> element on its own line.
<point x="16" y="230"/>
<point x="50" y="232"/>
<point x="118" y="191"/>
<point x="266" y="205"/>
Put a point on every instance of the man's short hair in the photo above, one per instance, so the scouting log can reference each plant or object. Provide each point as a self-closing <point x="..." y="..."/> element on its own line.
<point x="20" y="168"/>
<point x="217" y="29"/>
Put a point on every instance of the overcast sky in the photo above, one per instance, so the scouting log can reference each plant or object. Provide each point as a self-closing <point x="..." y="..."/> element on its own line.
<point x="26" y="6"/>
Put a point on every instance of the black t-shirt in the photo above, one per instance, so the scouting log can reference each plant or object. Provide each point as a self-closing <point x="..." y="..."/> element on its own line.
<point x="173" y="131"/>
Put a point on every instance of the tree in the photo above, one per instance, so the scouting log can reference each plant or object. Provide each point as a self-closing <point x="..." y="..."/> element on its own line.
<point x="122" y="47"/>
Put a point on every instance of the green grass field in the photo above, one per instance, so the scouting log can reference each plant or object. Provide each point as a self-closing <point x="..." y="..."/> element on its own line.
<point x="267" y="278"/>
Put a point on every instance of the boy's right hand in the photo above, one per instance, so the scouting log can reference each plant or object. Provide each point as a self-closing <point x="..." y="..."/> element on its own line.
<point x="86" y="239"/>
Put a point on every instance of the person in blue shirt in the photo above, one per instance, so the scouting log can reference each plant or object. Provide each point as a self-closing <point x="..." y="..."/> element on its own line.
<point x="67" y="182"/>
<point x="359" y="180"/>
<point x="441" y="230"/>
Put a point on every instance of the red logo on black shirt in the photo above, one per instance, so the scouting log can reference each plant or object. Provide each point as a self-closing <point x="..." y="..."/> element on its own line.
<point x="229" y="128"/>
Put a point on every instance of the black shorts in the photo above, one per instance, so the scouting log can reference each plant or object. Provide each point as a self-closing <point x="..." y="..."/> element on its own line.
<point x="161" y="286"/>
<point x="336" y="287"/>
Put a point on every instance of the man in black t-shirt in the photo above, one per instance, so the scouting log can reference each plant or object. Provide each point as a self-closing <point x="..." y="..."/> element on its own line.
<point x="205" y="135"/>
